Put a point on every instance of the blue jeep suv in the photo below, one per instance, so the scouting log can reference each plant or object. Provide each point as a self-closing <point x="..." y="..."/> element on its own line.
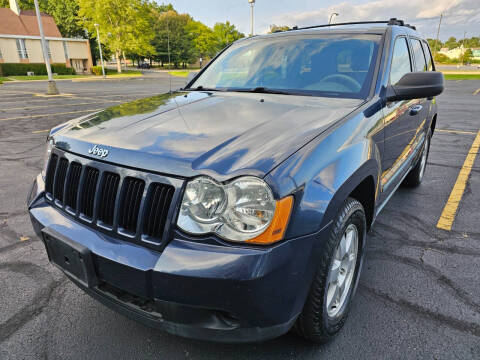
<point x="238" y="208"/>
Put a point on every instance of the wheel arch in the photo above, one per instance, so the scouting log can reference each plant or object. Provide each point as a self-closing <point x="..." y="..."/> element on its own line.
<point x="362" y="186"/>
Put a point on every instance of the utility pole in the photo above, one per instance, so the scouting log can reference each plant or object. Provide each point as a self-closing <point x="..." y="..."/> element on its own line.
<point x="438" y="34"/>
<point x="331" y="17"/>
<point x="100" y="49"/>
<point x="252" y="4"/>
<point x="52" y="86"/>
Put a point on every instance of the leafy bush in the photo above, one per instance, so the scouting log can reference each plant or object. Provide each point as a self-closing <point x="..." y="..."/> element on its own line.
<point x="97" y="70"/>
<point x="12" y="69"/>
<point x="442" y="58"/>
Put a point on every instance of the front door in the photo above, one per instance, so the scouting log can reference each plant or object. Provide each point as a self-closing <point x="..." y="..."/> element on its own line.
<point x="402" y="122"/>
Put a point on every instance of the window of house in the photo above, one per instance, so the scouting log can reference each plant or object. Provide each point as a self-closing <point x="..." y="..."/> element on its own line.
<point x="401" y="63"/>
<point x="65" y="50"/>
<point x="1" y="55"/>
<point x="47" y="44"/>
<point x="22" y="49"/>
<point x="420" y="63"/>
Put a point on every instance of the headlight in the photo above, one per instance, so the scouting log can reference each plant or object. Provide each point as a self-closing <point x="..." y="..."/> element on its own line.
<point x="244" y="210"/>
<point x="48" y="152"/>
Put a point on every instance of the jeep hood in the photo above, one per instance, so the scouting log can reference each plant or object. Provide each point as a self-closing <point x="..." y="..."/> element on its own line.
<point x="215" y="133"/>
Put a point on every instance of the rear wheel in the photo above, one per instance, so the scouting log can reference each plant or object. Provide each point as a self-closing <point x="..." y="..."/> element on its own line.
<point x="328" y="302"/>
<point x="415" y="176"/>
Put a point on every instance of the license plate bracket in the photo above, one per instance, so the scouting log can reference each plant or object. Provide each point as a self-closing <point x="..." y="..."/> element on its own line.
<point x="74" y="259"/>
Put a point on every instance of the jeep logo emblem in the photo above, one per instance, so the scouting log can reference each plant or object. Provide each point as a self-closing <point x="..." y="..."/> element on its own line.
<point x="95" y="150"/>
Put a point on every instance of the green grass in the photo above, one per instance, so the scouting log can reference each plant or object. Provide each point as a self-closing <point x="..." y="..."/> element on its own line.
<point x="182" y="73"/>
<point x="462" y="76"/>
<point x="43" y="77"/>
<point x="126" y="73"/>
<point x="2" y="79"/>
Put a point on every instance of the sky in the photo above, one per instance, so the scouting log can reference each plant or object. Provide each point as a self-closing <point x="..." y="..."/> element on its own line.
<point x="460" y="16"/>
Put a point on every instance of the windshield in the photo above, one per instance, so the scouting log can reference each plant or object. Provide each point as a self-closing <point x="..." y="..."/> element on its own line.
<point x="334" y="65"/>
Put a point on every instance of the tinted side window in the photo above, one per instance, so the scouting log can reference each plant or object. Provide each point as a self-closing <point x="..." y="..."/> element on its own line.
<point x="420" y="63"/>
<point x="428" y="55"/>
<point x="400" y="60"/>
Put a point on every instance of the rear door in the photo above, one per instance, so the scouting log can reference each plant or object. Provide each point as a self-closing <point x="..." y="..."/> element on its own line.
<point x="401" y="120"/>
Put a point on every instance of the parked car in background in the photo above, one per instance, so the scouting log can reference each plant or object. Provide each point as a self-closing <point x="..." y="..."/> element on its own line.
<point x="144" y="65"/>
<point x="238" y="208"/>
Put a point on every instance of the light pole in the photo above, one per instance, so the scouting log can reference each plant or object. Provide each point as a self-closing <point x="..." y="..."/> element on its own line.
<point x="52" y="86"/>
<point x="100" y="49"/>
<point x="252" y="4"/>
<point x="331" y="17"/>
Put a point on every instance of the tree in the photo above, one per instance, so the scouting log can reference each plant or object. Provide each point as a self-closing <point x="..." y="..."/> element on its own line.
<point x="277" y="28"/>
<point x="451" y="43"/>
<point x="65" y="13"/>
<point x="473" y="42"/>
<point x="441" y="58"/>
<point x="225" y="34"/>
<point x="123" y="24"/>
<point x="467" y="56"/>
<point x="202" y="38"/>
<point x="170" y="34"/>
<point x="434" y="45"/>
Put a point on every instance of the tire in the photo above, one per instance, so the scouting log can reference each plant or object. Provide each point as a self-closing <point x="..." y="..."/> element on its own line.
<point x="317" y="321"/>
<point x="415" y="176"/>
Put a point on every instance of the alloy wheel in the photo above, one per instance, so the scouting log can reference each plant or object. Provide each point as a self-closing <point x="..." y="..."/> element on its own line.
<point x="342" y="270"/>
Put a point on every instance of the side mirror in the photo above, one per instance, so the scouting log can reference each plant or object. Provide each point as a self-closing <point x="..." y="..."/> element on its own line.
<point x="417" y="85"/>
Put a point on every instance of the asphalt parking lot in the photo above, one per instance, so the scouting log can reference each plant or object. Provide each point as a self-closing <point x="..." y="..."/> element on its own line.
<point x="419" y="294"/>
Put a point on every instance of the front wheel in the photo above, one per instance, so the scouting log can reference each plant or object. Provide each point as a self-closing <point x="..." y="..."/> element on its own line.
<point x="415" y="176"/>
<point x="328" y="302"/>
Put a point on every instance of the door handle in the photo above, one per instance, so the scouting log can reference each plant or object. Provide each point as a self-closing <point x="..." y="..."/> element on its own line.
<point x="414" y="110"/>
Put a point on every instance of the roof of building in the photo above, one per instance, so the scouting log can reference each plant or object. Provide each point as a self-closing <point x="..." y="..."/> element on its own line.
<point x="26" y="23"/>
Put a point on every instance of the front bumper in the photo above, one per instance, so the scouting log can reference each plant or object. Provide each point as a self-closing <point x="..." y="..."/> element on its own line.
<point x="193" y="289"/>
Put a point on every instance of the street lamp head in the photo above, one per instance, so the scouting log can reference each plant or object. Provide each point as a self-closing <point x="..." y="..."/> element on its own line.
<point x="251" y="2"/>
<point x="336" y="14"/>
<point x="96" y="25"/>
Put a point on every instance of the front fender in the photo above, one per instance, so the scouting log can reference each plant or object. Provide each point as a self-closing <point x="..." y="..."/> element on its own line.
<point x="323" y="174"/>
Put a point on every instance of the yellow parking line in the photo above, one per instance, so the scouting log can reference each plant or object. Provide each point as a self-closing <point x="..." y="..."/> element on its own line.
<point x="450" y="210"/>
<point x="39" y="131"/>
<point x="47" y="115"/>
<point x="52" y="96"/>
<point x="456" y="131"/>
<point x="476" y="92"/>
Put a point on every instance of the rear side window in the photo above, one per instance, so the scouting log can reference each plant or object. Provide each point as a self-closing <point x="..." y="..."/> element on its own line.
<point x="428" y="55"/>
<point x="420" y="63"/>
<point x="400" y="61"/>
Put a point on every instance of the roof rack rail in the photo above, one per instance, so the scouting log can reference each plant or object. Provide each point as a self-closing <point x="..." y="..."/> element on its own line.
<point x="392" y="21"/>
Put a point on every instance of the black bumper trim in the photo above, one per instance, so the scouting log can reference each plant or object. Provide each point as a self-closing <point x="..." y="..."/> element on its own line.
<point x="236" y="335"/>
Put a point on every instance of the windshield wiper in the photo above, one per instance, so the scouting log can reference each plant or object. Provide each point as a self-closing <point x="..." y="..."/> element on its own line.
<point x="201" y="88"/>
<point x="264" y="90"/>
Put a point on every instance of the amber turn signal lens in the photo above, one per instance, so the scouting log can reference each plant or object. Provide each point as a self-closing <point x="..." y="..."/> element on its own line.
<point x="276" y="231"/>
